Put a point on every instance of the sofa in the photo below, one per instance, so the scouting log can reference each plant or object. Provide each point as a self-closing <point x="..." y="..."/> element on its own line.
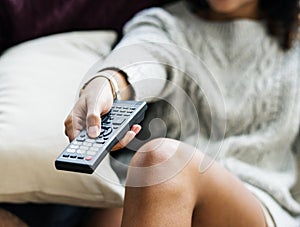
<point x="46" y="49"/>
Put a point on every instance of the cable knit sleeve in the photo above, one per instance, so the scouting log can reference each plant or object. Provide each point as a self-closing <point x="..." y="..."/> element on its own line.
<point x="147" y="53"/>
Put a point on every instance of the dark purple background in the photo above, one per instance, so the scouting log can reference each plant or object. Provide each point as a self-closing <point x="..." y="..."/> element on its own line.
<point x="22" y="20"/>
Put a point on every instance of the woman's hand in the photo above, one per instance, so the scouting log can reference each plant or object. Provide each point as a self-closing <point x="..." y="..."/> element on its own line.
<point x="95" y="100"/>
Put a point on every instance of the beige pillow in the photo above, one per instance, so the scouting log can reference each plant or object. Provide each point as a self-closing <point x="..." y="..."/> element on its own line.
<point x="39" y="81"/>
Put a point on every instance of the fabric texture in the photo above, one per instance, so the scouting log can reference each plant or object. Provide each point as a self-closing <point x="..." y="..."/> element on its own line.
<point x="39" y="84"/>
<point x="234" y="78"/>
<point x="27" y="19"/>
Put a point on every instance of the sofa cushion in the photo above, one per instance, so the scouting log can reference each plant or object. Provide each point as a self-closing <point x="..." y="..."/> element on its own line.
<point x="39" y="82"/>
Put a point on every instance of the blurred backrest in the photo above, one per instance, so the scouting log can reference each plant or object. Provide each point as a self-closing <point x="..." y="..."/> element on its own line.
<point x="22" y="20"/>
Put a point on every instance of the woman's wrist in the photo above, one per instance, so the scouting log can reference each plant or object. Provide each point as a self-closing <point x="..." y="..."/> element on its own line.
<point x="110" y="78"/>
<point x="120" y="87"/>
<point x="125" y="90"/>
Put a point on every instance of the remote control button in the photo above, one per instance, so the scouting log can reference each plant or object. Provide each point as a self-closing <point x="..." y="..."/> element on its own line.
<point x="81" y="151"/>
<point x="88" y="158"/>
<point x="115" y="127"/>
<point x="105" y="117"/>
<point x="80" y="139"/>
<point x="66" y="155"/>
<point x="100" y="141"/>
<point x="115" y="111"/>
<point x="93" y="149"/>
<point x="104" y="122"/>
<point x="122" y="111"/>
<point x="108" y="121"/>
<point x="108" y="131"/>
<point x="82" y="135"/>
<point x="77" y="143"/>
<point x="84" y="148"/>
<point x="126" y="115"/>
<point x="87" y="144"/>
<point x="73" y="156"/>
<point x="132" y="108"/>
<point x="91" y="152"/>
<point x="118" y="107"/>
<point x="105" y="138"/>
<point x="129" y="111"/>
<point x="104" y="127"/>
<point x="80" y="157"/>
<point x="90" y="140"/>
<point x="74" y="146"/>
<point x="118" y="121"/>
<point x="71" y="150"/>
<point x="125" y="107"/>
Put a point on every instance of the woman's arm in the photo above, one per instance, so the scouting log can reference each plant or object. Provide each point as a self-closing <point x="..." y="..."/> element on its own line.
<point x="144" y="58"/>
<point x="147" y="53"/>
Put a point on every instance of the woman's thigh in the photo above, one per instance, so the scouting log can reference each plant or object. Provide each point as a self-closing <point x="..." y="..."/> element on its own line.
<point x="225" y="201"/>
<point x="214" y="196"/>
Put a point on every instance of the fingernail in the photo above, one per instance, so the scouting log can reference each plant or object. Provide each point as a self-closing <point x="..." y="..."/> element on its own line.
<point x="93" y="131"/>
<point x="136" y="129"/>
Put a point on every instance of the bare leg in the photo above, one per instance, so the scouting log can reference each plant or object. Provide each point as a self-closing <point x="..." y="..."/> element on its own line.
<point x="190" y="198"/>
<point x="8" y="219"/>
<point x="106" y="217"/>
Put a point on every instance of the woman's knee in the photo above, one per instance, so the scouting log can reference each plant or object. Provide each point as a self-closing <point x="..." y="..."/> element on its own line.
<point x="154" y="152"/>
<point x="161" y="160"/>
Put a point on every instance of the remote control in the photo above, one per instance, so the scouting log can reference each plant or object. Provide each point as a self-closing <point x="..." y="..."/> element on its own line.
<point x="84" y="154"/>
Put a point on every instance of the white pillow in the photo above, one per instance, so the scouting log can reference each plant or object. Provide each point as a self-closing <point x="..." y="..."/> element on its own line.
<point x="39" y="81"/>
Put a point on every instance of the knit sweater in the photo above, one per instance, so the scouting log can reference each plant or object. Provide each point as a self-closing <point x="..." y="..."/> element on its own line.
<point x="231" y="91"/>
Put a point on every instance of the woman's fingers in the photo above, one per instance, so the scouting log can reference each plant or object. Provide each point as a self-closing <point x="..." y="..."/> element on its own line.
<point x="97" y="104"/>
<point x="95" y="101"/>
<point x="135" y="129"/>
<point x="74" y="123"/>
<point x="93" y="124"/>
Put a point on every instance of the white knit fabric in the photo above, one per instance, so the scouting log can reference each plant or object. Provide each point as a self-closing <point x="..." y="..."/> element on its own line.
<point x="257" y="83"/>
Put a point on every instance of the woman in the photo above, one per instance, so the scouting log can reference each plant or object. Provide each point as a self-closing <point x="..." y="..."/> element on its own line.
<point x="245" y="177"/>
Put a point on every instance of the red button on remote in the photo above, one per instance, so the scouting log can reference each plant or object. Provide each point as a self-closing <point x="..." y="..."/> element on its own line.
<point x="88" y="158"/>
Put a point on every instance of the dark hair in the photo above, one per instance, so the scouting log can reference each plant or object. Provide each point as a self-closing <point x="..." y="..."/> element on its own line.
<point x="281" y="16"/>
